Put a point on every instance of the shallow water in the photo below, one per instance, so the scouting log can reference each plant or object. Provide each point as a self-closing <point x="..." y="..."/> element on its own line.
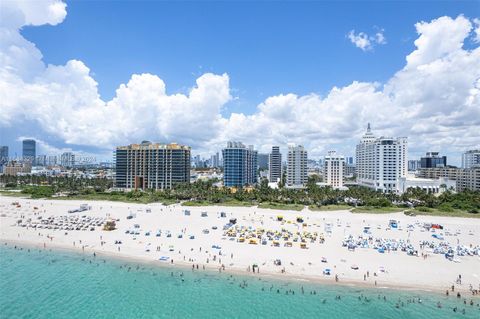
<point x="53" y="284"/>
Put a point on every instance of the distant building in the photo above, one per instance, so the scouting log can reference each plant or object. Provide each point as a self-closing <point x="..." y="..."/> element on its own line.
<point x="432" y="160"/>
<point x="471" y="159"/>
<point x="297" y="166"/>
<point x="67" y="159"/>
<point x="469" y="178"/>
<point x="29" y="150"/>
<point x="413" y="165"/>
<point x="448" y="172"/>
<point x="349" y="160"/>
<point x="349" y="170"/>
<point x="151" y="166"/>
<point x="3" y="156"/>
<point x="381" y="162"/>
<point x="275" y="165"/>
<point x="52" y="160"/>
<point x="14" y="168"/>
<point x="262" y="161"/>
<point x="215" y="160"/>
<point x="239" y="165"/>
<point x="333" y="171"/>
<point x="41" y="160"/>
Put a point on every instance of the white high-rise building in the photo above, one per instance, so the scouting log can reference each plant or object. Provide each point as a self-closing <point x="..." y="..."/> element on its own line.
<point x="333" y="170"/>
<point x="471" y="159"/>
<point x="381" y="162"/>
<point x="296" y="166"/>
<point x="275" y="165"/>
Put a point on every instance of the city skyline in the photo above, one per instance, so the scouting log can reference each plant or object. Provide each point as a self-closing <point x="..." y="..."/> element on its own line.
<point x="395" y="76"/>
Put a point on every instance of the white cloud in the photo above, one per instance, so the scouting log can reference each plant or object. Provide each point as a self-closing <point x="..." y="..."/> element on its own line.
<point x="476" y="37"/>
<point x="434" y="99"/>
<point x="366" y="42"/>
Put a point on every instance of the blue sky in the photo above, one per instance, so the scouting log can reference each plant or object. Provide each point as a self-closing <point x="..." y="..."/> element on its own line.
<point x="267" y="48"/>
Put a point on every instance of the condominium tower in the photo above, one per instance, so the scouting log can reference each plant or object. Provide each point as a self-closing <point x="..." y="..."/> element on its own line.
<point x="381" y="162"/>
<point x="296" y="166"/>
<point x="151" y="166"/>
<point x="275" y="165"/>
<point x="239" y="165"/>
<point x="334" y="169"/>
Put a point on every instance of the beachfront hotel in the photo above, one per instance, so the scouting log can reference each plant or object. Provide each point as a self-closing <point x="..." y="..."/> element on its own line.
<point x="381" y="162"/>
<point x="296" y="166"/>
<point x="239" y="165"/>
<point x="275" y="165"/>
<point x="334" y="169"/>
<point x="151" y="165"/>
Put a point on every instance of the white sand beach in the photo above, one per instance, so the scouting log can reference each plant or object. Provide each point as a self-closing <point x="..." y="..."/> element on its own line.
<point x="166" y="231"/>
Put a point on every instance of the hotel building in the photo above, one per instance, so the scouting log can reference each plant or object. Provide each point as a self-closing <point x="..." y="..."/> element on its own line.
<point x="381" y="162"/>
<point x="334" y="170"/>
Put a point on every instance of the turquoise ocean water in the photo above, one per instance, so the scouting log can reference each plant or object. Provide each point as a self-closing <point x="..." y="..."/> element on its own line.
<point x="54" y="284"/>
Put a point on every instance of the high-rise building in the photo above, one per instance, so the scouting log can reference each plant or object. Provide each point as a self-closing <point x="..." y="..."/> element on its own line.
<point x="239" y="165"/>
<point x="151" y="166"/>
<point x="215" y="160"/>
<point x="333" y="170"/>
<point x="297" y="166"/>
<point x="413" y="165"/>
<point x="3" y="156"/>
<point x="471" y="159"/>
<point x="381" y="162"/>
<point x="29" y="150"/>
<point x="67" y="159"/>
<point x="432" y="160"/>
<point x="275" y="165"/>
<point x="262" y="161"/>
<point x="349" y="160"/>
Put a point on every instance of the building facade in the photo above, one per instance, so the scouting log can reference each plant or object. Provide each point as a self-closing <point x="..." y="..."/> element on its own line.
<point x="381" y="162"/>
<point x="297" y="170"/>
<point x="239" y="165"/>
<point x="450" y="173"/>
<point x="469" y="178"/>
<point x="432" y="160"/>
<point x="151" y="165"/>
<point x="14" y="168"/>
<point x="431" y="186"/>
<point x="413" y="165"/>
<point x="334" y="170"/>
<point x="471" y="159"/>
<point x="263" y="161"/>
<point x="67" y="159"/>
<point x="29" y="151"/>
<point x="275" y="165"/>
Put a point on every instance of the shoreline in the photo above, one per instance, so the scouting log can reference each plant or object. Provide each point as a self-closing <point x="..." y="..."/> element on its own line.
<point x="200" y="238"/>
<point x="289" y="278"/>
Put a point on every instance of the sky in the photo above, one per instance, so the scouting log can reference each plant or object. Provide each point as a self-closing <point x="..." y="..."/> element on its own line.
<point x="90" y="75"/>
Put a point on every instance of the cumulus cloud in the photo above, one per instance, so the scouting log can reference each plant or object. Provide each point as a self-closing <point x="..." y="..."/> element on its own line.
<point x="434" y="98"/>
<point x="366" y="42"/>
